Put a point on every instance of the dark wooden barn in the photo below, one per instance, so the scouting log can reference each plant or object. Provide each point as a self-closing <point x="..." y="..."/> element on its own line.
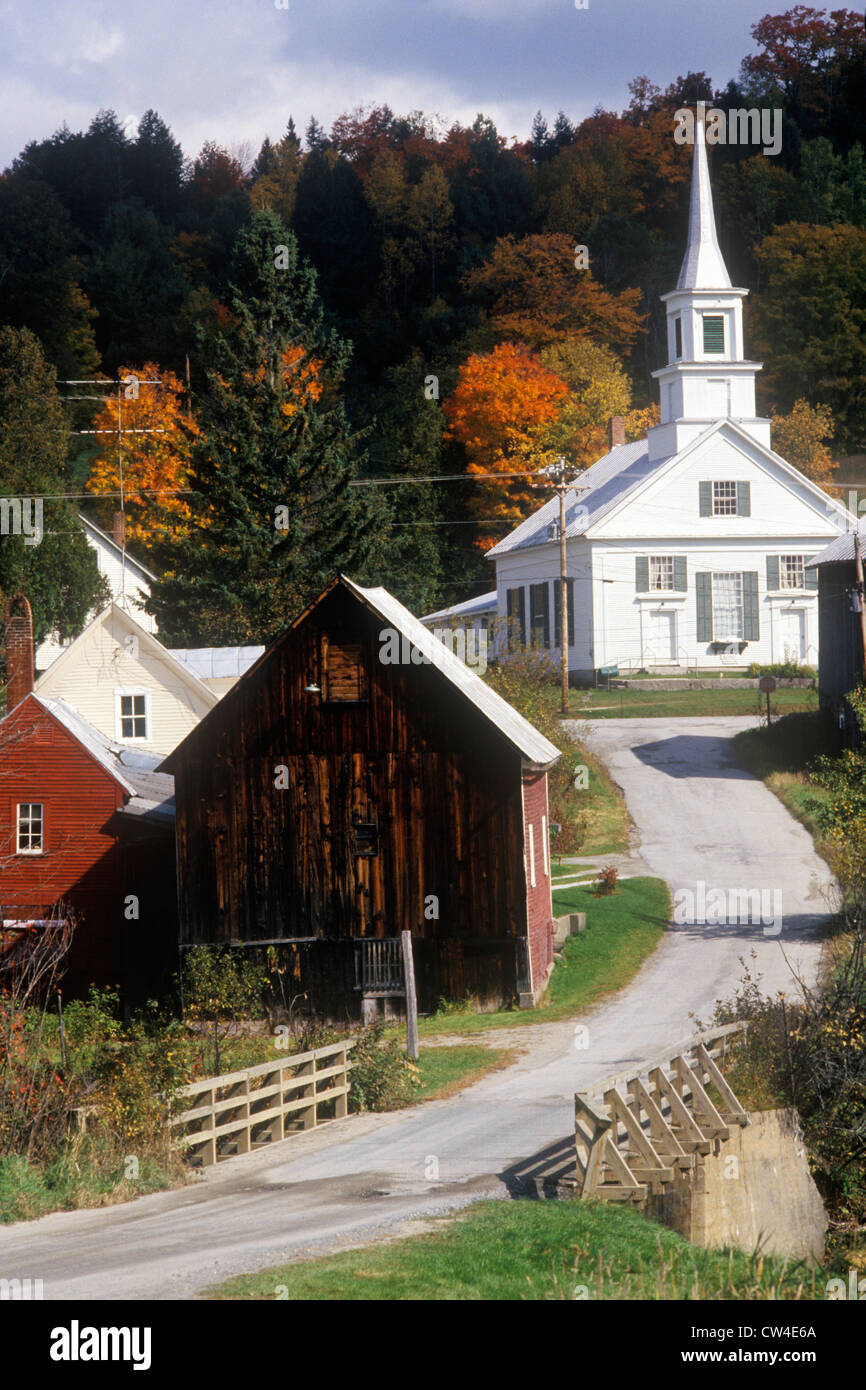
<point x="840" y="633"/>
<point x="357" y="782"/>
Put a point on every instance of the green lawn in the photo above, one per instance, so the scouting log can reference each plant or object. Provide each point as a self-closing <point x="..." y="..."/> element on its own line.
<point x="445" y="1070"/>
<point x="780" y="756"/>
<point x="622" y="931"/>
<point x="606" y="818"/>
<point x="533" y="1251"/>
<point x="659" y="704"/>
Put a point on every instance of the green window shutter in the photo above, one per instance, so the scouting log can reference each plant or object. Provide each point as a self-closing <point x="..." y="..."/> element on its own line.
<point x="539" y="615"/>
<point x="706" y="496"/>
<point x="704" y="596"/>
<point x="751" y="624"/>
<point x="516" y="605"/>
<point x="772" y="572"/>
<point x="744" y="499"/>
<point x="641" y="573"/>
<point x="811" y="579"/>
<point x="557" y="611"/>
<point x="681" y="582"/>
<point x="714" y="333"/>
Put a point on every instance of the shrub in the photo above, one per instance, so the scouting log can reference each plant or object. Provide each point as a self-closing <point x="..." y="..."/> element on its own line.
<point x="524" y="678"/>
<point x="607" y="881"/>
<point x="787" y="670"/>
<point x="383" y="1078"/>
<point x="811" y="1054"/>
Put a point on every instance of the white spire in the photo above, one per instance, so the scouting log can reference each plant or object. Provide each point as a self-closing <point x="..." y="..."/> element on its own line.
<point x="703" y="267"/>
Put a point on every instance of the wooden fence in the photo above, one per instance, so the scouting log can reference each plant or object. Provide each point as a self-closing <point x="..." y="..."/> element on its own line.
<point x="630" y="1144"/>
<point x="245" y="1110"/>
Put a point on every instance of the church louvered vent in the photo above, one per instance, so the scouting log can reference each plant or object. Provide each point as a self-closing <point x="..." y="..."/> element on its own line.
<point x="714" y="333"/>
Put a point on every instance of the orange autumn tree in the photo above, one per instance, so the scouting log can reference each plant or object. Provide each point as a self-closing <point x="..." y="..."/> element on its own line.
<point x="533" y="291"/>
<point x="801" y="438"/>
<point x="501" y="401"/>
<point x="155" y="462"/>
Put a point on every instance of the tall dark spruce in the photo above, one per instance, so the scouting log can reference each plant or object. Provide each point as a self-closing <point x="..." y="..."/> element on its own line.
<point x="275" y="514"/>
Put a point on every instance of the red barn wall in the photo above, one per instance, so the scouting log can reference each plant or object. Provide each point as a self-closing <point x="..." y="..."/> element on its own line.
<point x="41" y="761"/>
<point x="538" y="908"/>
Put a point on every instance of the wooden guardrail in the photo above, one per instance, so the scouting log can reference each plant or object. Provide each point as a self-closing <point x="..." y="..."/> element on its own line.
<point x="244" y="1110"/>
<point x="630" y="1144"/>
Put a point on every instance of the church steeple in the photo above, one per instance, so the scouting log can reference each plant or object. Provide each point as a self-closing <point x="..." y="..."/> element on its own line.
<point x="703" y="267"/>
<point x="707" y="377"/>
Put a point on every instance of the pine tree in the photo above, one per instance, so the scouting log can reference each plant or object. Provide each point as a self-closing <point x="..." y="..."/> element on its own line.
<point x="56" y="569"/>
<point x="274" y="513"/>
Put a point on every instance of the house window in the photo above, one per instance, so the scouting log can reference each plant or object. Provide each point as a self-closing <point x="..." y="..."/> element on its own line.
<point x="727" y="607"/>
<point x="539" y="615"/>
<point x="678" y="337"/>
<point x="792" y="572"/>
<point x="516" y="608"/>
<point x="661" y="572"/>
<point x="132" y="715"/>
<point x="30" y="827"/>
<point x="714" y="334"/>
<point x="343" y="674"/>
<point x="724" y="499"/>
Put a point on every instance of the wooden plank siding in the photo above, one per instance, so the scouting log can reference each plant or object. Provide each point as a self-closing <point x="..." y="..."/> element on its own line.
<point x="91" y="859"/>
<point x="415" y="758"/>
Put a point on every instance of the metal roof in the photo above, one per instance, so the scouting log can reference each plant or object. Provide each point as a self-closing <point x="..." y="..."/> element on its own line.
<point x="482" y="604"/>
<point x="523" y="736"/>
<point x="217" y="662"/>
<point x="838" y="551"/>
<point x="112" y="543"/>
<point x="150" y="792"/>
<point x="607" y="482"/>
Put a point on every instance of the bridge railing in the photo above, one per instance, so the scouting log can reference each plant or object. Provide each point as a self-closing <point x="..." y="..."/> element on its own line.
<point x="244" y="1110"/>
<point x="636" y="1130"/>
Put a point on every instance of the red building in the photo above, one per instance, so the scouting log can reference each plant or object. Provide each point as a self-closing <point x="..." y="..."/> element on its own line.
<point x="88" y="824"/>
<point x="357" y="782"/>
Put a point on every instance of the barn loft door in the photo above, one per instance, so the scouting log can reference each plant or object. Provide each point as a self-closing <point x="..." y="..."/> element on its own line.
<point x="344" y="678"/>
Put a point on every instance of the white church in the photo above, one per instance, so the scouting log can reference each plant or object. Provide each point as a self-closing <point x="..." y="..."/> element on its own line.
<point x="687" y="548"/>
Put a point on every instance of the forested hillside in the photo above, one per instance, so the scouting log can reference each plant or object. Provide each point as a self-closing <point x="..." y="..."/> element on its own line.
<point x="477" y="306"/>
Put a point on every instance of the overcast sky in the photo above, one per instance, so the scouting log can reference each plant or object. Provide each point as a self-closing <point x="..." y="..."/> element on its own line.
<point x="234" y="70"/>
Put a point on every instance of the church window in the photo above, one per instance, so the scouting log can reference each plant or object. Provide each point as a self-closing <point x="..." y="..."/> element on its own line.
<point x="678" y="337"/>
<point x="724" y="499"/>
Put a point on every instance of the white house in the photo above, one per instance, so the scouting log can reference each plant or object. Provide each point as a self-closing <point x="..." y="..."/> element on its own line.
<point x="118" y="677"/>
<point x="689" y="547"/>
<point x="128" y="580"/>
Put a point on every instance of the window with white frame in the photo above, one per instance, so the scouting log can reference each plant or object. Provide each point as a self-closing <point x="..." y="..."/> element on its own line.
<point x="133" y="715"/>
<point x="724" y="499"/>
<point x="31" y="827"/>
<point x="792" y="572"/>
<point x="727" y="607"/>
<point x="661" y="572"/>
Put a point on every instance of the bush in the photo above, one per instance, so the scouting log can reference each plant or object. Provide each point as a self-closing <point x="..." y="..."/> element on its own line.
<point x="383" y="1078"/>
<point x="811" y="1055"/>
<point x="524" y="678"/>
<point x="787" y="670"/>
<point x="607" y="881"/>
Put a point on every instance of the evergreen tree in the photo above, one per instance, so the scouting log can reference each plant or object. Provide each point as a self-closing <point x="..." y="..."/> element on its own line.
<point x="274" y="515"/>
<point x="56" y="569"/>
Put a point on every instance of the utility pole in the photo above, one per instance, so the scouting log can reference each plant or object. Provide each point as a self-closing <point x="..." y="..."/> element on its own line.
<point x="858" y="571"/>
<point x="559" y="475"/>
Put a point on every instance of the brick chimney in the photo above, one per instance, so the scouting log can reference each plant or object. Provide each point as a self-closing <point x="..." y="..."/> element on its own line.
<point x="617" y="431"/>
<point x="19" y="650"/>
<point x="118" y="529"/>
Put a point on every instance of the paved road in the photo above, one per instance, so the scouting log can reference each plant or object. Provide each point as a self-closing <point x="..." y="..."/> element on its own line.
<point x="698" y="818"/>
